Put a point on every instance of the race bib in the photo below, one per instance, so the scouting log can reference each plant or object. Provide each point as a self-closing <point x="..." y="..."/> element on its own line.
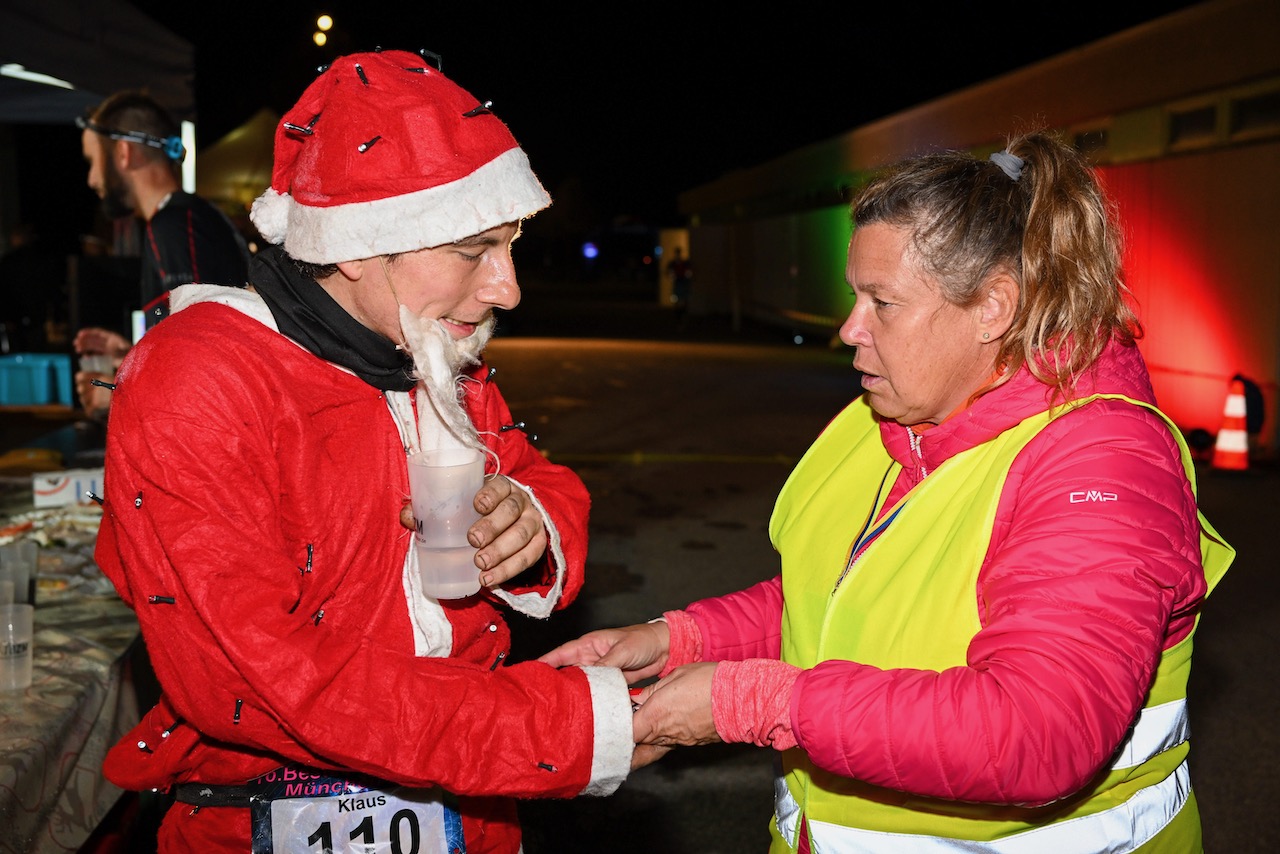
<point x="303" y="813"/>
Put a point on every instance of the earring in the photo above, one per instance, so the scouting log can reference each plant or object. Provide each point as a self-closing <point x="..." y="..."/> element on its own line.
<point x="986" y="335"/>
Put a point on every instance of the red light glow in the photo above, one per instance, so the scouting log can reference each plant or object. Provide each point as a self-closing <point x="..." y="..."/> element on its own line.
<point x="1185" y="256"/>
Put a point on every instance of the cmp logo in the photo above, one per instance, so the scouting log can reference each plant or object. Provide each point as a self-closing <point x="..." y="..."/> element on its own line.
<point x="1092" y="495"/>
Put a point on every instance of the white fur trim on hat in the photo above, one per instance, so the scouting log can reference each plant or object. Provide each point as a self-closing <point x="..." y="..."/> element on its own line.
<point x="270" y="215"/>
<point x="501" y="191"/>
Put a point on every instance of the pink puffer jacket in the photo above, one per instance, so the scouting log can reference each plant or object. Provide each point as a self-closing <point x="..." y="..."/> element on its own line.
<point x="1077" y="599"/>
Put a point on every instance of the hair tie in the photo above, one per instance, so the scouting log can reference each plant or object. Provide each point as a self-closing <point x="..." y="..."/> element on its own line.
<point x="1010" y="164"/>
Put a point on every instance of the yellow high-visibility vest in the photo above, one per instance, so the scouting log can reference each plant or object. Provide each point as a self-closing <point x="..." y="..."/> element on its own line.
<point x="908" y="601"/>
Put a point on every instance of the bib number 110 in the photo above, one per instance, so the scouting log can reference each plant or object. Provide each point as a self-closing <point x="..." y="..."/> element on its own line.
<point x="403" y="826"/>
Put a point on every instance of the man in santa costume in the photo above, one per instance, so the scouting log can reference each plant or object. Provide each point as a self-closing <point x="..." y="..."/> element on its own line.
<point x="312" y="696"/>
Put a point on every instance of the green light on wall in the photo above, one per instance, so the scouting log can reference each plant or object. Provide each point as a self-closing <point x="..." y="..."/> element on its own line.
<point x="824" y="245"/>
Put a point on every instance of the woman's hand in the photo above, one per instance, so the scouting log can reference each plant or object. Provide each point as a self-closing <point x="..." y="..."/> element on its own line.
<point x="95" y="341"/>
<point x="509" y="535"/>
<point x="677" y="710"/>
<point x="639" y="651"/>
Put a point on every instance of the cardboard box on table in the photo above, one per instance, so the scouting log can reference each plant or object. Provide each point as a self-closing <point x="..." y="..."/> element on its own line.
<point x="62" y="488"/>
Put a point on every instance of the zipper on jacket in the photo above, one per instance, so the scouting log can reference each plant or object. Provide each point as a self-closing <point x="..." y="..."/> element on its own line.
<point x="867" y="535"/>
<point x="916" y="453"/>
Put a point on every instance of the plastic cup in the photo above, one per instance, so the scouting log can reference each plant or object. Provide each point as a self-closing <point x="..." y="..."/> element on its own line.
<point x="18" y="562"/>
<point x="16" y="628"/>
<point x="6" y="590"/>
<point x="96" y="364"/>
<point x="443" y="486"/>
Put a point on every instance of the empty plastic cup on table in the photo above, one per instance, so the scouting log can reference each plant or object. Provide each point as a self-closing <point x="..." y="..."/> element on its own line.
<point x="16" y="629"/>
<point x="18" y="561"/>
<point x="443" y="486"/>
<point x="95" y="364"/>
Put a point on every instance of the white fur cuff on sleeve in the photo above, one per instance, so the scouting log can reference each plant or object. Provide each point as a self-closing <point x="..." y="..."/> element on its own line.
<point x="614" y="743"/>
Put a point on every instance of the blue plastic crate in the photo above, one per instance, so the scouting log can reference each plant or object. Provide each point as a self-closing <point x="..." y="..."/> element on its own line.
<point x="35" y="379"/>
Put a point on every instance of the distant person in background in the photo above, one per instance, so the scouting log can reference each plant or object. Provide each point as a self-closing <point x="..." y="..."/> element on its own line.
<point x="680" y="269"/>
<point x="134" y="150"/>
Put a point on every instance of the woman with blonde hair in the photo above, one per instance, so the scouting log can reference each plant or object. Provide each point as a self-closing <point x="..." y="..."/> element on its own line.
<point x="992" y="561"/>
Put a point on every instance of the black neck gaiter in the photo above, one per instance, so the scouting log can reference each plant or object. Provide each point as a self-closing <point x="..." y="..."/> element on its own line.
<point x="305" y="312"/>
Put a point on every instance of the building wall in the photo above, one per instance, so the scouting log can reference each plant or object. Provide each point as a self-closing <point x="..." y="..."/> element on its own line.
<point x="1202" y="258"/>
<point x="1182" y="116"/>
<point x="786" y="269"/>
<point x="1203" y="262"/>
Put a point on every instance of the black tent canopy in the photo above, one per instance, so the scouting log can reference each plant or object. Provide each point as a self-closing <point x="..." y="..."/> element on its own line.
<point x="85" y="50"/>
<point x="96" y="46"/>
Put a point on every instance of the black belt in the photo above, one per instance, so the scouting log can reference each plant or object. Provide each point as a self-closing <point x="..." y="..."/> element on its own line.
<point x="285" y="782"/>
<point x="203" y="795"/>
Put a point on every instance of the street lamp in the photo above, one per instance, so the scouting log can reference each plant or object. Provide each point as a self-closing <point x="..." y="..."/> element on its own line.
<point x="324" y="23"/>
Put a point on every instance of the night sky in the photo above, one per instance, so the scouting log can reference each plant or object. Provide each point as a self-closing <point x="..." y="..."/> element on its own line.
<point x="639" y="102"/>
<point x="621" y="107"/>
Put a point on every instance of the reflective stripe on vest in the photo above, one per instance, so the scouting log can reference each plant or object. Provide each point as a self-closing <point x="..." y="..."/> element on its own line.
<point x="1120" y="829"/>
<point x="1157" y="729"/>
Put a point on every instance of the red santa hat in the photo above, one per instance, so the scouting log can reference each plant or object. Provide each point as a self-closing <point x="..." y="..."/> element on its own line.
<point x="384" y="154"/>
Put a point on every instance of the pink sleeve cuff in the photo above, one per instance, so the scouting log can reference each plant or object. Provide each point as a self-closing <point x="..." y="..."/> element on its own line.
<point x="685" y="644"/>
<point x="751" y="702"/>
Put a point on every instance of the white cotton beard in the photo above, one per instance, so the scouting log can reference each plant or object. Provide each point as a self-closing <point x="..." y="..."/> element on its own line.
<point x="438" y="360"/>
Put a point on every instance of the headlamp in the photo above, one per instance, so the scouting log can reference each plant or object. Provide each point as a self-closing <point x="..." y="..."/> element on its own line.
<point x="171" y="146"/>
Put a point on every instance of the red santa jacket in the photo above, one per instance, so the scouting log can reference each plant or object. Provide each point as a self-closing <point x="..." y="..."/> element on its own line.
<point x="251" y="519"/>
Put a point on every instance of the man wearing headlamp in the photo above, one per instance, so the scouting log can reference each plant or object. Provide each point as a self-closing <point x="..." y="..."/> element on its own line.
<point x="135" y="153"/>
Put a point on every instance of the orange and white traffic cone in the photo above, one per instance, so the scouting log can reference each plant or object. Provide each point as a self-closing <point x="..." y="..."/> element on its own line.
<point x="1231" y="450"/>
